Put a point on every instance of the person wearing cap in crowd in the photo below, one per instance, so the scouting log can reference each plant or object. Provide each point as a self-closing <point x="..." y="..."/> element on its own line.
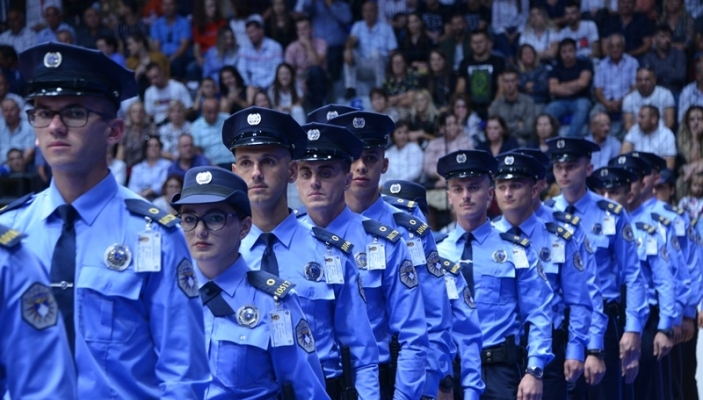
<point x="560" y="263"/>
<point x="363" y="198"/>
<point x="510" y="291"/>
<point x="388" y="280"/>
<point x="266" y="144"/>
<point x="611" y="239"/>
<point x="665" y="187"/>
<point x="250" y="316"/>
<point x="326" y="113"/>
<point x="34" y="352"/>
<point x="119" y="267"/>
<point x="621" y="182"/>
<point x="406" y="195"/>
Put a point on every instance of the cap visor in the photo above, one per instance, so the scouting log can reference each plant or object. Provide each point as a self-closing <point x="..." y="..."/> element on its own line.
<point x="199" y="199"/>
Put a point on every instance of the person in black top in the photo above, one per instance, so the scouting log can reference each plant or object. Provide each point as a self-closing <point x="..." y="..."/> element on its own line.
<point x="634" y="26"/>
<point x="435" y="15"/>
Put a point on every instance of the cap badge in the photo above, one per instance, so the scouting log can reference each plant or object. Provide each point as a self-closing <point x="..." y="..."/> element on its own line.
<point x="604" y="172"/>
<point x="359" y="123"/>
<point x="461" y="158"/>
<point x="52" y="59"/>
<point x="313" y="134"/>
<point x="560" y="144"/>
<point x="395" y="188"/>
<point x="203" y="178"/>
<point x="622" y="160"/>
<point x="332" y="114"/>
<point x="254" y="119"/>
<point x="509" y="160"/>
<point x="118" y="257"/>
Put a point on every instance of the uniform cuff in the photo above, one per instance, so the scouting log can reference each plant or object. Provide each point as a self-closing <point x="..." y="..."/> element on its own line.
<point x="432" y="383"/>
<point x="633" y="324"/>
<point x="690" y="312"/>
<point x="471" y="394"/>
<point x="665" y="323"/>
<point x="596" y="343"/>
<point x="575" y="351"/>
<point x="533" y="361"/>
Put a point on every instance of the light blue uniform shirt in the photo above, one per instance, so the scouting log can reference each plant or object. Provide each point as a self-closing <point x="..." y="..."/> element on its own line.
<point x="139" y="335"/>
<point x="507" y="297"/>
<point x="336" y="312"/>
<point x="243" y="361"/>
<point x="394" y="307"/>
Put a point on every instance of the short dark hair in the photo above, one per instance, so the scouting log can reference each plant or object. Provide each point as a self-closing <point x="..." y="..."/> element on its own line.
<point x="109" y="40"/>
<point x="652" y="109"/>
<point x="380" y="92"/>
<point x="572" y="4"/>
<point x="481" y="32"/>
<point x="12" y="150"/>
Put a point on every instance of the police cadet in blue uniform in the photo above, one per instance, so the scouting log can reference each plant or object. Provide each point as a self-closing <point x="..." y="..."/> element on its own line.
<point x="119" y="267"/>
<point x="388" y="277"/>
<point x="266" y="144"/>
<point x="406" y="195"/>
<point x="363" y="198"/>
<point x="618" y="274"/>
<point x="326" y="113"/>
<point x="560" y="261"/>
<point x="511" y="293"/>
<point x="250" y="316"/>
<point x="622" y="185"/>
<point x="35" y="362"/>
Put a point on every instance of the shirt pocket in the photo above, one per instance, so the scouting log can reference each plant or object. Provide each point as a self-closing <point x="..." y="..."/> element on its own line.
<point x="497" y="285"/>
<point x="314" y="290"/>
<point x="108" y="304"/>
<point x="242" y="356"/>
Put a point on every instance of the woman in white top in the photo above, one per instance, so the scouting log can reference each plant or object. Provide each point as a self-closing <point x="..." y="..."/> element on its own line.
<point x="176" y="126"/>
<point x="541" y="34"/>
<point x="404" y="157"/>
<point x="460" y="107"/>
<point x="148" y="176"/>
<point x="285" y="94"/>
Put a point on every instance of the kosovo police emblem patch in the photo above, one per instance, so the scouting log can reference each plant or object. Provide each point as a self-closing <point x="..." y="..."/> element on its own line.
<point x="247" y="316"/>
<point x="186" y="279"/>
<point x="597" y="228"/>
<point x="627" y="233"/>
<point x="304" y="336"/>
<point x="408" y="275"/>
<point x="313" y="271"/>
<point x="468" y="299"/>
<point x="433" y="265"/>
<point x="362" y="293"/>
<point x="360" y="259"/>
<point x="545" y="254"/>
<point x="39" y="309"/>
<point x="578" y="261"/>
<point x="499" y="256"/>
<point x="664" y="254"/>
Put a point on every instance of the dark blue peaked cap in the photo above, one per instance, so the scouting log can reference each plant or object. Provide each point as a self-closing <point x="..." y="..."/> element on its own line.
<point x="407" y="190"/>
<point x="466" y="163"/>
<point x="326" y="113"/>
<point x="372" y="128"/>
<point x="614" y="176"/>
<point x="513" y="165"/>
<point x="633" y="162"/>
<point x="331" y="142"/>
<point x="255" y="126"/>
<point x="212" y="184"/>
<point x="570" y="149"/>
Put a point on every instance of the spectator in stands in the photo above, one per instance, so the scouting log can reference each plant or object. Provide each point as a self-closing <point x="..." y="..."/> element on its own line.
<point x="92" y="29"/>
<point x="258" y="62"/>
<point x="416" y="45"/>
<point x="173" y="129"/>
<point x="171" y="35"/>
<point x="583" y="32"/>
<point x="508" y="19"/>
<point x="224" y="53"/>
<point x="682" y="26"/>
<point x="451" y="140"/>
<point x="279" y="24"/>
<point x="233" y="95"/>
<point x="440" y="80"/>
<point x="636" y="27"/>
<point x="456" y="42"/>
<point x="108" y="46"/>
<point x="329" y="20"/>
<point x="207" y="21"/>
<point x="161" y="92"/>
<point x="421" y="123"/>
<point x="64" y="36"/>
<point x="148" y="176"/>
<point x="466" y="117"/>
<point x="14" y="163"/>
<point x="498" y="137"/>
<point x="308" y="55"/>
<point x="540" y="34"/>
<point x="533" y="76"/>
<point x="5" y="93"/>
<point x="668" y="62"/>
<point x="516" y="109"/>
<point x="187" y="156"/>
<point x="650" y="136"/>
<point x="614" y="78"/>
<point x="435" y="16"/>
<point x="15" y="132"/>
<point x="117" y="167"/>
<point x="285" y="94"/>
<point x="481" y="66"/>
<point x="18" y="35"/>
<point x="140" y="56"/>
<point x="400" y="83"/>
<point x="207" y="90"/>
<point x="404" y="156"/>
<point x="692" y="201"/>
<point x="546" y="127"/>
<point x="207" y="134"/>
<point x="54" y="24"/>
<point x="648" y="93"/>
<point x="130" y="22"/>
<point x="9" y="68"/>
<point x="692" y="94"/>
<point x="137" y="128"/>
<point x="368" y="47"/>
<point x="689" y="141"/>
<point x="569" y="85"/>
<point x="172" y="185"/>
<point x="599" y="134"/>
<point x="261" y="99"/>
<point x="477" y="15"/>
<point x="379" y="104"/>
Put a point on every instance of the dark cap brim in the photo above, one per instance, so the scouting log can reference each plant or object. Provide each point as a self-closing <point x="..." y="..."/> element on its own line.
<point x="466" y="174"/>
<point x="507" y="175"/>
<point x="237" y="199"/>
<point x="565" y="157"/>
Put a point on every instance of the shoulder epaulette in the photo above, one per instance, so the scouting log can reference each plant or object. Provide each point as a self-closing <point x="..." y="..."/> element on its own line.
<point x="332" y="239"/>
<point x="661" y="219"/>
<point x="146" y="209"/>
<point x="440" y="236"/>
<point x="611" y="207"/>
<point x="558" y="230"/>
<point x="9" y="237"/>
<point x="570" y="219"/>
<point x="378" y="229"/>
<point x="300" y="212"/>
<point x="519" y="240"/>
<point x="645" y="227"/>
<point x="269" y="283"/>
<point x="411" y="223"/>
<point x="17" y="203"/>
<point x="449" y="266"/>
<point x="675" y="209"/>
<point x="400" y="203"/>
<point x="549" y="203"/>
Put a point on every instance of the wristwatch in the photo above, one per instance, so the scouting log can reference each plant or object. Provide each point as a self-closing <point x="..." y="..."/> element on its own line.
<point x="596" y="353"/>
<point x="537" y="372"/>
<point x="668" y="332"/>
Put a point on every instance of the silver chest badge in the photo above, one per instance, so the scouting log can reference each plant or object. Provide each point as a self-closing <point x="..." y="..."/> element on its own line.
<point x="118" y="257"/>
<point x="247" y="316"/>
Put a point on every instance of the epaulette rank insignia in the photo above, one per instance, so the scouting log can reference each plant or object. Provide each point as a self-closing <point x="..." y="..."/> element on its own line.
<point x="332" y="239"/>
<point x="451" y="267"/>
<point x="145" y="209"/>
<point x="606" y="205"/>
<point x="269" y="283"/>
<point x="570" y="219"/>
<point x="9" y="237"/>
<point x="661" y="219"/>
<point x="645" y="227"/>
<point x="400" y="203"/>
<point x="675" y="209"/>
<point x="519" y="240"/>
<point x="411" y="223"/>
<point x="558" y="230"/>
<point x="378" y="229"/>
<point x="16" y="204"/>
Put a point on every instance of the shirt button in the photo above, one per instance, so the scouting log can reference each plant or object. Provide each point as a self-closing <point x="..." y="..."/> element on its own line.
<point x="242" y="337"/>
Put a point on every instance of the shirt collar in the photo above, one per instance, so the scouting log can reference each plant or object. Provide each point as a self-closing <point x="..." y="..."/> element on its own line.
<point x="229" y="280"/>
<point x="340" y="224"/>
<point x="375" y="210"/>
<point x="284" y="231"/>
<point x="88" y="205"/>
<point x="581" y="204"/>
<point x="527" y="226"/>
<point x="480" y="233"/>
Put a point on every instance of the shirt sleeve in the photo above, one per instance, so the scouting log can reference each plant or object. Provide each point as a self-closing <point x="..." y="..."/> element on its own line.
<point x="466" y="332"/>
<point x="535" y="299"/>
<point x="625" y="251"/>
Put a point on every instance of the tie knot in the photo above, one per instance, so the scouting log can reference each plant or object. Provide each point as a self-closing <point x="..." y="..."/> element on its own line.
<point x="68" y="214"/>
<point x="268" y="238"/>
<point x="515" y="231"/>
<point x="570" y="209"/>
<point x="210" y="289"/>
<point x="468" y="236"/>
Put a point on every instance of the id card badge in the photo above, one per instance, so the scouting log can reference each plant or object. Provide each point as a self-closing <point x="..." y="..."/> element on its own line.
<point x="662" y="231"/>
<point x="608" y="225"/>
<point x="417" y="253"/>
<point x="651" y="246"/>
<point x="679" y="227"/>
<point x="451" y="288"/>
<point x="520" y="258"/>
<point x="148" y="252"/>
<point x="558" y="252"/>
<point x="333" y="269"/>
<point x="376" y="256"/>
<point x="281" y="328"/>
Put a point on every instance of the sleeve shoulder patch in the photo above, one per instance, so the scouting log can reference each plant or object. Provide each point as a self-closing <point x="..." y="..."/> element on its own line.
<point x="610" y="207"/>
<point x="145" y="209"/>
<point x="397" y="202"/>
<point x="567" y="218"/>
<point x="518" y="240"/>
<point x="9" y="237"/>
<point x="411" y="223"/>
<point x="269" y="283"/>
<point x="19" y="203"/>
<point x="645" y="227"/>
<point x="661" y="219"/>
<point x="378" y="229"/>
<point x="187" y="280"/>
<point x="330" y="238"/>
<point x="558" y="231"/>
<point x="449" y="266"/>
<point x="39" y="308"/>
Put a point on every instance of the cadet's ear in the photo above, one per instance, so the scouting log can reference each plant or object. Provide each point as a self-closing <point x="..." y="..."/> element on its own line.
<point x="246" y="227"/>
<point x="116" y="127"/>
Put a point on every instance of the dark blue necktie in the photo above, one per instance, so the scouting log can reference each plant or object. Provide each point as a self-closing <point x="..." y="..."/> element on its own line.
<point x="515" y="231"/>
<point x="467" y="260"/>
<point x="468" y="253"/>
<point x="570" y="209"/>
<point x="269" y="263"/>
<point x="211" y="294"/>
<point x="63" y="270"/>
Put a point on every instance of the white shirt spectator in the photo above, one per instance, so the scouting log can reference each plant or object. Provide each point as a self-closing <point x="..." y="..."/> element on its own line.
<point x="145" y="176"/>
<point x="390" y="8"/>
<point x="156" y="99"/>
<point x="504" y="14"/>
<point x="404" y="164"/>
<point x="540" y="43"/>
<point x="119" y="170"/>
<point x="585" y="36"/>
<point x="209" y="138"/>
<point x="21" y="41"/>
<point x="590" y="5"/>
<point x="169" y="136"/>
<point x="378" y="40"/>
<point x="258" y="67"/>
<point x="661" y="98"/>
<point x="690" y="96"/>
<point x="21" y="138"/>
<point x="616" y="80"/>
<point x="660" y="142"/>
